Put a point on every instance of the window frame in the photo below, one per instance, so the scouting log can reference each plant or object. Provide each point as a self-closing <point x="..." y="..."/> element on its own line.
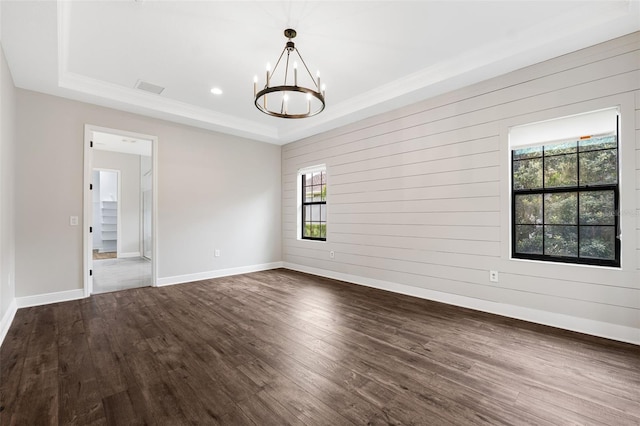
<point x="576" y="189"/>
<point x="323" y="203"/>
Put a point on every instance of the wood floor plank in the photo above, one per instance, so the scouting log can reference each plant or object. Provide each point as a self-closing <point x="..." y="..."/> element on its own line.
<point x="264" y="410"/>
<point x="238" y="417"/>
<point x="12" y="356"/>
<point x="126" y="408"/>
<point x="556" y="411"/>
<point x="286" y="348"/>
<point x="275" y="357"/>
<point x="80" y="395"/>
<point x="563" y="390"/>
<point x="37" y="399"/>
<point x="200" y="404"/>
<point x="110" y="369"/>
<point x="69" y="320"/>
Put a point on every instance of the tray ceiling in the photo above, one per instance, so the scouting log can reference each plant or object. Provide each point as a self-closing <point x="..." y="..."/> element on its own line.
<point x="374" y="55"/>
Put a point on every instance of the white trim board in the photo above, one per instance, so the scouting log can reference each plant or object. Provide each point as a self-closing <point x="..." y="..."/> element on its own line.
<point x="7" y="320"/>
<point x="47" y="298"/>
<point x="180" y="279"/>
<point x="581" y="325"/>
<point x="88" y="206"/>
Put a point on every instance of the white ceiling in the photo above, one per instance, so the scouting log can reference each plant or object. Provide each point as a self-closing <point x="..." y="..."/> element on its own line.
<point x="374" y="55"/>
<point x="119" y="143"/>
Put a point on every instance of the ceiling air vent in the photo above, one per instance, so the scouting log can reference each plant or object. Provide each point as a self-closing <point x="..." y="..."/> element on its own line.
<point x="149" y="87"/>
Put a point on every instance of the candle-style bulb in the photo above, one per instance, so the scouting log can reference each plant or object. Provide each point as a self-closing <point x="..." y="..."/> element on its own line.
<point x="268" y="69"/>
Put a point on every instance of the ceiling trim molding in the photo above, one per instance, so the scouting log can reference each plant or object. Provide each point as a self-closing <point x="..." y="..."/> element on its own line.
<point x="146" y="101"/>
<point x="612" y="19"/>
<point x="494" y="59"/>
<point x="151" y="102"/>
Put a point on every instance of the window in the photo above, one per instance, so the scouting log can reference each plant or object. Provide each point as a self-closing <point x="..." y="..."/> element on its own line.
<point x="565" y="200"/>
<point x="314" y="204"/>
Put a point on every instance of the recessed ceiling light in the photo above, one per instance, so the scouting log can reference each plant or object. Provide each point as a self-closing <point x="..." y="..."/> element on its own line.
<point x="216" y="91"/>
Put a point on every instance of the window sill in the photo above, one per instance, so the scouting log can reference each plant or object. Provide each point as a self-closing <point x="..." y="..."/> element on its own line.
<point x="312" y="240"/>
<point x="579" y="265"/>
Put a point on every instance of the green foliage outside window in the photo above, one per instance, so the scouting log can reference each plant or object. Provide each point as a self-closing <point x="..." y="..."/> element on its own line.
<point x="315" y="230"/>
<point x="314" y="201"/>
<point x="565" y="200"/>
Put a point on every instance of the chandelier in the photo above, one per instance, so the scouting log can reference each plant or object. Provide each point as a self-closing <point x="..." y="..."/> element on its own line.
<point x="291" y="99"/>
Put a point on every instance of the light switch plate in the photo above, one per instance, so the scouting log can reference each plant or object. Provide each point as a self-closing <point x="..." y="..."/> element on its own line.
<point x="73" y="220"/>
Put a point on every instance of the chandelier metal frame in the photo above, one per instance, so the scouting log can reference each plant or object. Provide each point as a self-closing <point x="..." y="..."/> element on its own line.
<point x="260" y="97"/>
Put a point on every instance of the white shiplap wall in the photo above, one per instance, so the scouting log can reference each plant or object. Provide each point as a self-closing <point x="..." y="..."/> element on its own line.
<point x="418" y="198"/>
<point x="637" y="211"/>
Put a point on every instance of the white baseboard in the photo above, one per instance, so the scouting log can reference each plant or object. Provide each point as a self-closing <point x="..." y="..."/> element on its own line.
<point x="47" y="298"/>
<point x="127" y="255"/>
<point x="7" y="319"/>
<point x="567" y="322"/>
<point x="179" y="279"/>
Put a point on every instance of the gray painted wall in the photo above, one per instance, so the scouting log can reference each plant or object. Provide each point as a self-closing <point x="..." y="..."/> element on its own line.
<point x="420" y="196"/>
<point x="215" y="191"/>
<point x="7" y="174"/>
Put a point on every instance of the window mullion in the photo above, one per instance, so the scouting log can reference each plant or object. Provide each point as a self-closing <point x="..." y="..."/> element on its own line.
<point x="315" y="225"/>
<point x="578" y="197"/>
<point x="596" y="198"/>
<point x="544" y="220"/>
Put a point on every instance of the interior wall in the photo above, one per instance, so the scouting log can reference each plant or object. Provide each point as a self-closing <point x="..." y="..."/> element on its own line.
<point x="214" y="191"/>
<point x="418" y="198"/>
<point x="129" y="200"/>
<point x="7" y="173"/>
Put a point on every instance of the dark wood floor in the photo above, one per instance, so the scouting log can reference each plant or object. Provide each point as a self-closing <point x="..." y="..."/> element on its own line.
<point x="280" y="347"/>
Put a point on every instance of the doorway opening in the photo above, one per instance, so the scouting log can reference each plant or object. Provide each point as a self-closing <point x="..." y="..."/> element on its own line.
<point x="106" y="213"/>
<point x="119" y="210"/>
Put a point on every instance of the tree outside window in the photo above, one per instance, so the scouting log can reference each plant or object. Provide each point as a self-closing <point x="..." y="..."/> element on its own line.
<point x="314" y="205"/>
<point x="565" y="201"/>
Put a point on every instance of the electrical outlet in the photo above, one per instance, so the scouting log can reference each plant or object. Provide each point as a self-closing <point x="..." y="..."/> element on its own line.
<point x="332" y="254"/>
<point x="73" y="220"/>
<point x="217" y="253"/>
<point x="493" y="276"/>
